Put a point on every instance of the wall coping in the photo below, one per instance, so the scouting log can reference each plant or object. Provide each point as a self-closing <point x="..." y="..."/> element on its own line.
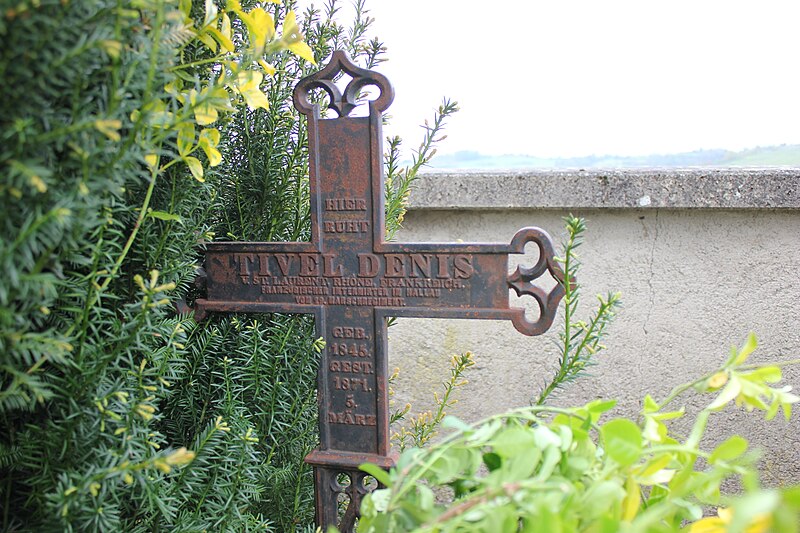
<point x="670" y="188"/>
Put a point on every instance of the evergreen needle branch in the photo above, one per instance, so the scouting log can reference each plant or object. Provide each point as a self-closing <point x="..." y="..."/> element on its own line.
<point x="579" y="341"/>
<point x="400" y="179"/>
<point x="139" y="220"/>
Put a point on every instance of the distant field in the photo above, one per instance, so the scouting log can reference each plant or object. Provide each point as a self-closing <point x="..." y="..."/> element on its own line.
<point x="770" y="155"/>
<point x="783" y="155"/>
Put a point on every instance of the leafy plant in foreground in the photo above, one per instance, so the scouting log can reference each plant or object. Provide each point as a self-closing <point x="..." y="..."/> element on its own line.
<point x="550" y="469"/>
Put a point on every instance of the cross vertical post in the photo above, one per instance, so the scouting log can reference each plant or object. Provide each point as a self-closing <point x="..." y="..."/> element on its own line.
<point x="351" y="280"/>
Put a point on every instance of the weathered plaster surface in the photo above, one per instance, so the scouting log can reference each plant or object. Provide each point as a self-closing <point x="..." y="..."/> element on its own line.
<point x="694" y="281"/>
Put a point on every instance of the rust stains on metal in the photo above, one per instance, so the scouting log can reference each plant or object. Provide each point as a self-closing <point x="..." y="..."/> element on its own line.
<point x="351" y="280"/>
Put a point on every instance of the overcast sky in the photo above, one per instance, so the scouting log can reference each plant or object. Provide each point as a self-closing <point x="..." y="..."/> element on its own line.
<point x="579" y="77"/>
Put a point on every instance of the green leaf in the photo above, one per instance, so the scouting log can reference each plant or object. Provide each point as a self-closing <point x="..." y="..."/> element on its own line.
<point x="749" y="346"/>
<point x="185" y="138"/>
<point x="750" y="508"/>
<point x="221" y="38"/>
<point x="623" y="440"/>
<point x="492" y="461"/>
<point x="600" y="497"/>
<point x="381" y="498"/>
<point x="544" y="437"/>
<point x="456" y="462"/>
<point x="732" y="448"/>
<point x="209" y="139"/>
<point x="408" y="457"/>
<point x="515" y="440"/>
<point x="773" y="410"/>
<point x="598" y="407"/>
<point x="670" y="414"/>
<point x="261" y="28"/>
<point x="207" y="40"/>
<point x="484" y="432"/>
<point x="426" y="499"/>
<point x="523" y="465"/>
<point x="195" y="167"/>
<point x="109" y="127"/>
<point x="163" y="215"/>
<point x="650" y="404"/>
<point x="657" y="463"/>
<point x="452" y="422"/>
<point x="791" y="496"/>
<point x="731" y="391"/>
<point x="766" y="374"/>
<point x="211" y="13"/>
<point x="204" y="112"/>
<point x="551" y="458"/>
<point x="248" y="83"/>
<point x="303" y="50"/>
<point x="632" y="501"/>
<point x="381" y="475"/>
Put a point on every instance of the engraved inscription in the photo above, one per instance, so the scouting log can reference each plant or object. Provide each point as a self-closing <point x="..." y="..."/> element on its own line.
<point x="430" y="266"/>
<point x="366" y="280"/>
<point x="284" y="265"/>
<point x="351" y="374"/>
<point x="440" y="266"/>
<point x="353" y="384"/>
<point x="350" y="333"/>
<point x="345" y="204"/>
<point x="350" y="418"/>
<point x="348" y="301"/>
<point x="346" y="226"/>
<point x="349" y="348"/>
<point x="355" y="367"/>
<point x="422" y="283"/>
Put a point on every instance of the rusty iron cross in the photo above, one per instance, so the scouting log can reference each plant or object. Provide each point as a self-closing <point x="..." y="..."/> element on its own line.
<point x="351" y="280"/>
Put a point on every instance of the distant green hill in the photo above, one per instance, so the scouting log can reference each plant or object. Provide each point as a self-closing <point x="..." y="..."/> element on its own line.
<point x="785" y="154"/>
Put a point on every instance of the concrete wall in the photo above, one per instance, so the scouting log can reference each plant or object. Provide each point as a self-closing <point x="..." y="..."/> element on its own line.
<point x="701" y="259"/>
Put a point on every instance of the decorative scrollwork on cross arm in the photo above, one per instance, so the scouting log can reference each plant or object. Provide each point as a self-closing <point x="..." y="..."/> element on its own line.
<point x="521" y="281"/>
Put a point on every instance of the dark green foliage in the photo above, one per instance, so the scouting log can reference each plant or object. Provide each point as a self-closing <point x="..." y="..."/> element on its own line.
<point x="87" y="347"/>
<point x="101" y="384"/>
<point x="117" y="414"/>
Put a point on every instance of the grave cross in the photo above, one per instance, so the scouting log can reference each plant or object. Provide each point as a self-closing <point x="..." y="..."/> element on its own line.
<point x="351" y="280"/>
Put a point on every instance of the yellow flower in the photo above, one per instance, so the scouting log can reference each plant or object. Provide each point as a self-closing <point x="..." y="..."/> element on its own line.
<point x="181" y="456"/>
<point x="719" y="523"/>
